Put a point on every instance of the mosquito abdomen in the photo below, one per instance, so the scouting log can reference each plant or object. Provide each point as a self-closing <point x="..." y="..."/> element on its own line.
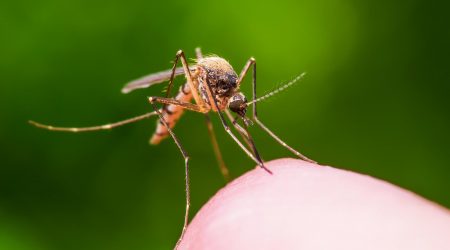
<point x="171" y="114"/>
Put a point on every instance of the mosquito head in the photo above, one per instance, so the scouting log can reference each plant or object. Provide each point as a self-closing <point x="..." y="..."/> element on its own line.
<point x="238" y="103"/>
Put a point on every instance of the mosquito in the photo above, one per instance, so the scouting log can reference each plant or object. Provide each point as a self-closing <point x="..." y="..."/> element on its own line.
<point x="214" y="86"/>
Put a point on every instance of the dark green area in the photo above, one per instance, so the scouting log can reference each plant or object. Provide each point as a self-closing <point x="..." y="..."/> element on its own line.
<point x="375" y="100"/>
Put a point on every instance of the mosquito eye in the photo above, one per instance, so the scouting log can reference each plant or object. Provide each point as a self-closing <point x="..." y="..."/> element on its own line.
<point x="223" y="87"/>
<point x="237" y="104"/>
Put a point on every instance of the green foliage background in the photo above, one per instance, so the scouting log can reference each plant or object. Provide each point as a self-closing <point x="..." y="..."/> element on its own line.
<point x="375" y="100"/>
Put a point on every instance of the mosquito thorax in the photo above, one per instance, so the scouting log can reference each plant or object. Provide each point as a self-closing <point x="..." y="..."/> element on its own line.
<point x="238" y="103"/>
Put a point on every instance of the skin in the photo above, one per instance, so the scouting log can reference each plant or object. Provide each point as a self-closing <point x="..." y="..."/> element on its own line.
<point x="307" y="206"/>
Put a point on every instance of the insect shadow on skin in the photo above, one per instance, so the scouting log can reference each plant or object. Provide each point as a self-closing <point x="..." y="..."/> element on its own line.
<point x="214" y="86"/>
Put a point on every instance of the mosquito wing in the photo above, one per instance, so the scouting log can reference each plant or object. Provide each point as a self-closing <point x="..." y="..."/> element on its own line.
<point x="149" y="80"/>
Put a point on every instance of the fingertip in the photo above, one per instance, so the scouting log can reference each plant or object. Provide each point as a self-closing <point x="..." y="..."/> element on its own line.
<point x="307" y="206"/>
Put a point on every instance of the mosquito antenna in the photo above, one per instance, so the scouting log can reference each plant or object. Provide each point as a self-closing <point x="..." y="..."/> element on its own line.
<point x="276" y="91"/>
<point x="94" y="128"/>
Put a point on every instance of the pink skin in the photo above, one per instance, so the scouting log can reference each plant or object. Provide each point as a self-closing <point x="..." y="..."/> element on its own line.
<point x="306" y="206"/>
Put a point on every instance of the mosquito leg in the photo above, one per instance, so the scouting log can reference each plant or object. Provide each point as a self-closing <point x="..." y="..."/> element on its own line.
<point x="246" y="68"/>
<point x="223" y="168"/>
<point x="187" y="73"/>
<point x="243" y="131"/>
<point x="251" y="62"/>
<point x="274" y="136"/>
<point x="228" y="130"/>
<point x="94" y="128"/>
<point x="190" y="81"/>
<point x="186" y="172"/>
<point x="174" y="67"/>
<point x="185" y="105"/>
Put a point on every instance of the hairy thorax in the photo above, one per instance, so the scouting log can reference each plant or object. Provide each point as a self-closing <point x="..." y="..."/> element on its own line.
<point x="221" y="78"/>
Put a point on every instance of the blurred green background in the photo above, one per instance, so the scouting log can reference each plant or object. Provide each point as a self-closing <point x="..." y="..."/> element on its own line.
<point x="375" y="100"/>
